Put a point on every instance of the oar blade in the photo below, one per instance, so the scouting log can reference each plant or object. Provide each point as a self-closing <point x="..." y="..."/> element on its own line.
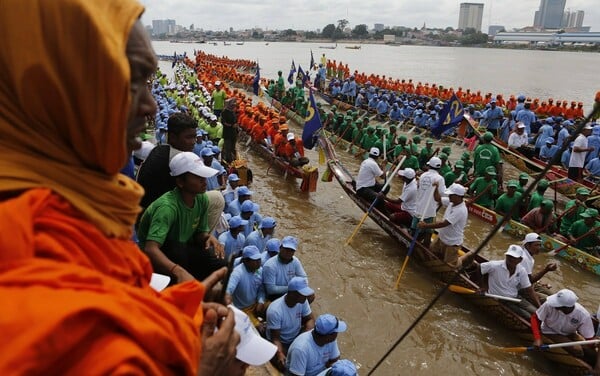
<point x="460" y="290"/>
<point x="520" y="349"/>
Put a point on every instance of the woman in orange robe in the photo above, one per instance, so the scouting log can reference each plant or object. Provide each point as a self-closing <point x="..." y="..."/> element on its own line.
<point x="77" y="300"/>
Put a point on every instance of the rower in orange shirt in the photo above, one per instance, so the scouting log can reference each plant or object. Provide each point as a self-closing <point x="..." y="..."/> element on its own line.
<point x="500" y="102"/>
<point x="556" y="109"/>
<point x="579" y="111"/>
<point x="542" y="110"/>
<point x="569" y="113"/>
<point x="293" y="151"/>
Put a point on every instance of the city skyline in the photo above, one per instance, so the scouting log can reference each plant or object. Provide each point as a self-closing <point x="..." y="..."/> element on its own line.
<point x="284" y="14"/>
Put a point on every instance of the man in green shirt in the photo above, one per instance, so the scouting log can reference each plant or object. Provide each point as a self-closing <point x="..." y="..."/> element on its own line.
<point x="445" y="166"/>
<point x="368" y="139"/>
<point x="426" y="153"/>
<point x="485" y="188"/>
<point x="538" y="196"/>
<point x="456" y="174"/>
<point x="280" y="85"/>
<point x="416" y="140"/>
<point x="486" y="155"/>
<point x="218" y="96"/>
<point x="509" y="199"/>
<point x="575" y="208"/>
<point x="400" y="146"/>
<point x="411" y="160"/>
<point x="523" y="179"/>
<point x="174" y="231"/>
<point x="579" y="228"/>
<point x="466" y="158"/>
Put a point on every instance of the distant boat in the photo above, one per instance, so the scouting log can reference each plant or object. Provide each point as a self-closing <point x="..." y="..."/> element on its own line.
<point x="226" y="44"/>
<point x="240" y="43"/>
<point x="214" y="43"/>
<point x="353" y="47"/>
<point x="266" y="44"/>
<point x="329" y="47"/>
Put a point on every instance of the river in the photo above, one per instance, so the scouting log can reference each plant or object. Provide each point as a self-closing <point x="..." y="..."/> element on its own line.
<point x="355" y="282"/>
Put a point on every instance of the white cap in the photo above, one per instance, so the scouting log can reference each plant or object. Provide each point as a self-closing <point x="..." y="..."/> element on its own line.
<point x="563" y="298"/>
<point x="531" y="237"/>
<point x="189" y="162"/>
<point x="290" y="136"/>
<point x="455" y="189"/>
<point x="520" y="125"/>
<point x="252" y="349"/>
<point x="514" y="251"/>
<point x="374" y="151"/>
<point x="213" y="117"/>
<point x="407" y="173"/>
<point x="435" y="162"/>
<point x="217" y="83"/>
<point x="142" y="153"/>
<point x="587" y="126"/>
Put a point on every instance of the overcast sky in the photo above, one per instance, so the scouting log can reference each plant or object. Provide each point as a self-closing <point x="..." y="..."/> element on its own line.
<point x="315" y="14"/>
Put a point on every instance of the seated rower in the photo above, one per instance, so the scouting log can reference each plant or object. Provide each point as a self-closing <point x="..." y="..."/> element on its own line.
<point x="485" y="188"/>
<point x="402" y="210"/>
<point x="548" y="150"/>
<point x="584" y="233"/>
<point x="519" y="141"/>
<point x="574" y="208"/>
<point x="367" y="185"/>
<point x="508" y="200"/>
<point x="541" y="219"/>
<point x="293" y="151"/>
<point x="506" y="278"/>
<point x="562" y="319"/>
<point x="531" y="247"/>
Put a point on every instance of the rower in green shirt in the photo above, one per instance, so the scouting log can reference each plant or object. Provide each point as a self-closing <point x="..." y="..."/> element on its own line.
<point x="416" y="140"/>
<point x="411" y="160"/>
<point x="426" y="153"/>
<point x="507" y="200"/>
<point x="485" y="187"/>
<point x="368" y="139"/>
<point x="445" y="167"/>
<point x="523" y="179"/>
<point x="401" y="146"/>
<point x="538" y="196"/>
<point x="466" y="158"/>
<point x="581" y="227"/>
<point x="575" y="214"/>
<point x="458" y="172"/>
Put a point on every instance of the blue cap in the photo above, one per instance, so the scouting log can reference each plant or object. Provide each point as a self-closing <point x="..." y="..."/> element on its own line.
<point x="251" y="252"/>
<point x="244" y="191"/>
<point x="550" y="140"/>
<point x="199" y="133"/>
<point x="327" y="324"/>
<point x="567" y="123"/>
<point x="233" y="177"/>
<point x="207" y="152"/>
<point x="248" y="206"/>
<point x="268" y="222"/>
<point x="215" y="149"/>
<point x="343" y="367"/>
<point x="273" y="245"/>
<point x="237" y="221"/>
<point x="290" y="242"/>
<point x="300" y="285"/>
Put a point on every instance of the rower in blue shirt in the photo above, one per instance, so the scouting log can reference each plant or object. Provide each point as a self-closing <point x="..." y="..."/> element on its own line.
<point x="382" y="107"/>
<point x="593" y="167"/>
<point x="563" y="133"/>
<point x="493" y="117"/>
<point x="546" y="131"/>
<point x="233" y="240"/>
<point x="593" y="142"/>
<point x="395" y="112"/>
<point x="278" y="271"/>
<point x="548" y="150"/>
<point x="527" y="117"/>
<point x="265" y="231"/>
<point x="373" y="102"/>
<point x="245" y="289"/>
<point x="360" y="99"/>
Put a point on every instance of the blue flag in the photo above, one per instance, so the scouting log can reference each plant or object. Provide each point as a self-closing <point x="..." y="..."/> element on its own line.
<point x="301" y="75"/>
<point x="450" y="116"/>
<point x="312" y="61"/>
<point x="256" y="82"/>
<point x="292" y="71"/>
<point x="312" y="123"/>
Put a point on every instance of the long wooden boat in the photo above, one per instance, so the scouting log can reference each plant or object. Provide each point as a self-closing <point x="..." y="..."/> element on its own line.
<point x="518" y="230"/>
<point x="308" y="174"/>
<point x="444" y="272"/>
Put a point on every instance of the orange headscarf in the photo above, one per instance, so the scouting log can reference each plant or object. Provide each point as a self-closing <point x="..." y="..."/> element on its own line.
<point x="64" y="101"/>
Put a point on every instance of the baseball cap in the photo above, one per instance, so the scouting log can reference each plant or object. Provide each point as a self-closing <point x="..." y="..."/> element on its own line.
<point x="435" y="162"/>
<point x="215" y="149"/>
<point x="512" y="183"/>
<point x="531" y="237"/>
<point x="273" y="245"/>
<point x="455" y="189"/>
<point x="459" y="164"/>
<point x="343" y="367"/>
<point x="252" y="349"/>
<point x="488" y="136"/>
<point x="563" y="298"/>
<point x="233" y="177"/>
<point x="207" y="152"/>
<point x="550" y="140"/>
<point x="244" y="191"/>
<point x="300" y="285"/>
<point x="327" y="324"/>
<point x="189" y="162"/>
<point x="251" y="252"/>
<point x="589" y="213"/>
<point x="543" y="183"/>
<point x="520" y="125"/>
<point x="268" y="222"/>
<point x="374" y="151"/>
<point x="290" y="136"/>
<point x="237" y="221"/>
<point x="407" y="173"/>
<point x="514" y="251"/>
<point x="290" y="242"/>
<point x="248" y="206"/>
<point x="217" y="83"/>
<point x="583" y="191"/>
<point x="523" y="176"/>
<point x="490" y="170"/>
<point x="587" y="126"/>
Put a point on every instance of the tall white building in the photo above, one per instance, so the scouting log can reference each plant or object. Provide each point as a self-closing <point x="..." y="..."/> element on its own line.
<point x="160" y="27"/>
<point x="470" y="16"/>
<point x="576" y="19"/>
<point x="550" y="14"/>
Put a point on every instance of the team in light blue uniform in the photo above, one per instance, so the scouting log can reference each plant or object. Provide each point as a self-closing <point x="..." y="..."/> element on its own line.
<point x="278" y="271"/>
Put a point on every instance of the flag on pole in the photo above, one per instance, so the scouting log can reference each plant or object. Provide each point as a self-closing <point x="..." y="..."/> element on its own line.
<point x="450" y="116"/>
<point x="291" y="75"/>
<point x="312" y="123"/>
<point x="301" y="75"/>
<point x="256" y="82"/>
<point x="312" y="60"/>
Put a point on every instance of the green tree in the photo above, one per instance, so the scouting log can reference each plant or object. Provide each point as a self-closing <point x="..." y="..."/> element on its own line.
<point x="342" y="24"/>
<point x="328" y="31"/>
<point x="360" y="31"/>
<point x="289" y="32"/>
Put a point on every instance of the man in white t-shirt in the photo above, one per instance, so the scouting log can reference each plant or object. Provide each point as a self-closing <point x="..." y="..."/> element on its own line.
<point x="562" y="319"/>
<point x="519" y="141"/>
<point x="580" y="150"/>
<point x="367" y="185"/>
<point x="426" y="204"/>
<point x="402" y="210"/>
<point x="531" y="247"/>
<point x="506" y="278"/>
<point x="451" y="228"/>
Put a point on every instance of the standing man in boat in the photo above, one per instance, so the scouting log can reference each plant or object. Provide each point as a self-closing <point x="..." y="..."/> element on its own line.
<point x="218" y="98"/>
<point x="486" y="155"/>
<point x="493" y="116"/>
<point x="580" y="150"/>
<point x="426" y="209"/>
<point x="452" y="227"/>
<point x="230" y="130"/>
<point x="532" y="244"/>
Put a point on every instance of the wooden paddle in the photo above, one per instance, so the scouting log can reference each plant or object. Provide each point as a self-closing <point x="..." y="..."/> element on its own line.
<point x="557" y="250"/>
<point x="548" y="347"/>
<point x="364" y="218"/>
<point x="463" y="290"/>
<point x="413" y="242"/>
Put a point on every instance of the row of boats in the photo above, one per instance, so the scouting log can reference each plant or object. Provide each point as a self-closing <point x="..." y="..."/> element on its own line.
<point x="440" y="270"/>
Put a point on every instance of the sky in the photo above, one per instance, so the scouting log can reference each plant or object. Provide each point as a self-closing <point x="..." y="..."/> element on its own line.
<point x="316" y="14"/>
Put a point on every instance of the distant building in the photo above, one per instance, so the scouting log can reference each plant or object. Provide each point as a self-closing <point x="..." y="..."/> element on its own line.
<point x="160" y="27"/>
<point x="550" y="14"/>
<point x="378" y="27"/>
<point x="548" y="38"/>
<point x="495" y="29"/>
<point x="470" y="16"/>
<point x="389" y="38"/>
<point x="575" y="19"/>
